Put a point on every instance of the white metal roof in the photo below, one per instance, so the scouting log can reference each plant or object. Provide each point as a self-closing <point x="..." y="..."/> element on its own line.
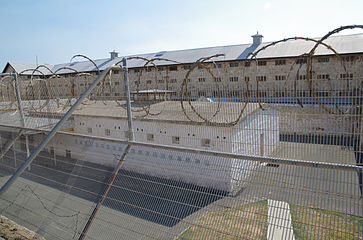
<point x="20" y="67"/>
<point x="343" y="44"/>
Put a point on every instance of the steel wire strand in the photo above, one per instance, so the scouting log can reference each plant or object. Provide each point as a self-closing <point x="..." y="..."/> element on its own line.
<point x="254" y="57"/>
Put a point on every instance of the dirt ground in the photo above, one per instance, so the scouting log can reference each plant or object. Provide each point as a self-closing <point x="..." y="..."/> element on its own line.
<point x="9" y="230"/>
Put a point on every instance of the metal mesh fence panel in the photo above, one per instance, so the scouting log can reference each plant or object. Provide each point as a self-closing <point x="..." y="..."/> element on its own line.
<point x="259" y="148"/>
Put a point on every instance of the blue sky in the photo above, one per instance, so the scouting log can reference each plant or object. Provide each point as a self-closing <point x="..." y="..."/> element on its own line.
<point x="54" y="30"/>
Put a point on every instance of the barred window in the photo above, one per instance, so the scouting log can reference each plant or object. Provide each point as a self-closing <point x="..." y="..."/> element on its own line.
<point x="233" y="79"/>
<point x="261" y="63"/>
<point x="261" y="78"/>
<point x="280" y="78"/>
<point x="173" y="68"/>
<point x="233" y="64"/>
<point x="323" y="59"/>
<point x="280" y="62"/>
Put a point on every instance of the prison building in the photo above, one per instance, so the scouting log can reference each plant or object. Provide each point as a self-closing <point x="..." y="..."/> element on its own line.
<point x="277" y="71"/>
<point x="256" y="132"/>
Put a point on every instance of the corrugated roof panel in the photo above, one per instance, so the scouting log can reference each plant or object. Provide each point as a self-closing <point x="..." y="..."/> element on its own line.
<point x="21" y="67"/>
<point x="342" y="44"/>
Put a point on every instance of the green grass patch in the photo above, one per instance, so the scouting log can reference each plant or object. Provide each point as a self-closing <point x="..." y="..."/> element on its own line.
<point x="314" y="223"/>
<point x="248" y="221"/>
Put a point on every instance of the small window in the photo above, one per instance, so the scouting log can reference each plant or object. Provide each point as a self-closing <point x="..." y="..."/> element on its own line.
<point x="173" y="80"/>
<point x="160" y="69"/>
<point x="261" y="63"/>
<point x="348" y="58"/>
<point x="323" y="60"/>
<point x="247" y="64"/>
<point x="89" y="130"/>
<point x="205" y="142"/>
<point x="117" y="83"/>
<point x="218" y="79"/>
<point x="301" y="61"/>
<point x="233" y="79"/>
<point x="247" y="79"/>
<point x="322" y="76"/>
<point x="150" y="137"/>
<point x="280" y="78"/>
<point x="137" y="70"/>
<point x="148" y="69"/>
<point x="202" y="93"/>
<point x="107" y="132"/>
<point x="173" y="68"/>
<point x="218" y="65"/>
<point x="201" y="79"/>
<point x="116" y="72"/>
<point x="302" y="77"/>
<point x="280" y="62"/>
<point x="233" y="64"/>
<point x="346" y="76"/>
<point x="187" y="67"/>
<point x="148" y="82"/>
<point x="261" y="78"/>
<point x="175" y="140"/>
<point x="161" y="81"/>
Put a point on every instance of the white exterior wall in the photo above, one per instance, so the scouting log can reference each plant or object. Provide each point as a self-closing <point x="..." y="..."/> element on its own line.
<point x="257" y="135"/>
<point x="214" y="172"/>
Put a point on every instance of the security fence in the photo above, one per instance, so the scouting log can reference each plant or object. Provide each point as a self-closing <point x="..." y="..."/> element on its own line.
<point x="215" y="150"/>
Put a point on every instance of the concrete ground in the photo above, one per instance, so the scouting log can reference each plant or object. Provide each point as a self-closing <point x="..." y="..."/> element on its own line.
<point x="56" y="202"/>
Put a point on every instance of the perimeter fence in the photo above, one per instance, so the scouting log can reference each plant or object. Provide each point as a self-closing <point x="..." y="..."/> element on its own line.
<point x="164" y="149"/>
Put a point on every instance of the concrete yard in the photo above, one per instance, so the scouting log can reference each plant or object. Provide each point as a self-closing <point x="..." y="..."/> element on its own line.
<point x="141" y="207"/>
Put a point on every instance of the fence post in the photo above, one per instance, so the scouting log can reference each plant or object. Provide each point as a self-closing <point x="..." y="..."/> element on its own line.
<point x="128" y="100"/>
<point x="54" y="130"/>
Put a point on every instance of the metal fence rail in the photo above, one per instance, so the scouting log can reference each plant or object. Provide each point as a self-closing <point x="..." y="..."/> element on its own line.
<point x="206" y="153"/>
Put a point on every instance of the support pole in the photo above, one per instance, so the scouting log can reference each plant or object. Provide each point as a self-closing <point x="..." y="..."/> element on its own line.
<point x="18" y="97"/>
<point x="128" y="100"/>
<point x="121" y="160"/>
<point x="27" y="148"/>
<point x="102" y="198"/>
<point x="54" y="157"/>
<point x="14" y="153"/>
<point x="54" y="130"/>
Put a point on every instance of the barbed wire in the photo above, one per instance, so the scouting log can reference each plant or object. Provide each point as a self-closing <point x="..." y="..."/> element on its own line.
<point x="29" y="189"/>
<point x="42" y="87"/>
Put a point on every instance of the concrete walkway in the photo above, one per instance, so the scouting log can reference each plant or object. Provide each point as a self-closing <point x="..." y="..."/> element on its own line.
<point x="279" y="221"/>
